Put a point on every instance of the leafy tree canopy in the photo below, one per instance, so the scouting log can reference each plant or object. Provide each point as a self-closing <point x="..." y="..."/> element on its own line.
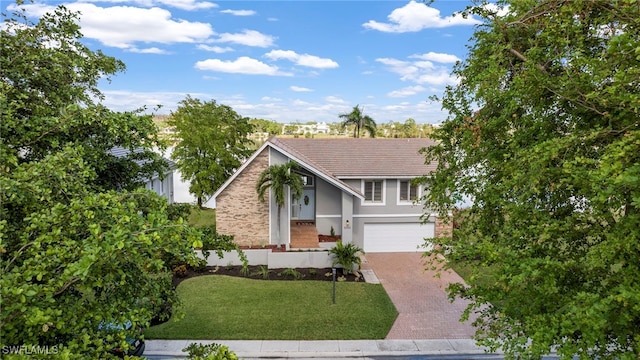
<point x="48" y="94"/>
<point x="544" y="136"/>
<point x="75" y="253"/>
<point x="213" y="144"/>
<point x="268" y="126"/>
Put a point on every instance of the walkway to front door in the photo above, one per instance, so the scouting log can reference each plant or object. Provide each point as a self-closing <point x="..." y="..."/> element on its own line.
<point x="422" y="303"/>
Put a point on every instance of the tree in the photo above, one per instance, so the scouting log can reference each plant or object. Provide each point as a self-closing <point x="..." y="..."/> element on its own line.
<point x="75" y="253"/>
<point x="277" y="179"/>
<point x="359" y="121"/>
<point x="268" y="126"/>
<point x="544" y="137"/>
<point x="46" y="107"/>
<point x="213" y="144"/>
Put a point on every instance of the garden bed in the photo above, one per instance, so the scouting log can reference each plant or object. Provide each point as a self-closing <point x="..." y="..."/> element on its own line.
<point x="262" y="273"/>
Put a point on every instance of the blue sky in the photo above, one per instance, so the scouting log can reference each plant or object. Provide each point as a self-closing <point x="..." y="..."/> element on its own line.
<point x="279" y="60"/>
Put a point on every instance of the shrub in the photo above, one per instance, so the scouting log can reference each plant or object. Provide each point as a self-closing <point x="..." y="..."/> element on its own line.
<point x="209" y="352"/>
<point x="263" y="271"/>
<point x="293" y="273"/>
<point x="346" y="256"/>
<point x="176" y="211"/>
<point x="180" y="271"/>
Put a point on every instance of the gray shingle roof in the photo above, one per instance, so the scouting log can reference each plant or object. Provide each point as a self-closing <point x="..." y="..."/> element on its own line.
<point x="348" y="157"/>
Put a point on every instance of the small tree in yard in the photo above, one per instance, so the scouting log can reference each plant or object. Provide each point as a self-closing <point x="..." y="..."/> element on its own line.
<point x="276" y="179"/>
<point x="213" y="144"/>
<point x="544" y="136"/>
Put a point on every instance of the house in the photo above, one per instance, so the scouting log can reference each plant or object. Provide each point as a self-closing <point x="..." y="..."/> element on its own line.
<point x="160" y="184"/>
<point x="360" y="188"/>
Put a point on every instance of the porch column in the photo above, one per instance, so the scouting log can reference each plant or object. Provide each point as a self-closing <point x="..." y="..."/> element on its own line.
<point x="347" y="218"/>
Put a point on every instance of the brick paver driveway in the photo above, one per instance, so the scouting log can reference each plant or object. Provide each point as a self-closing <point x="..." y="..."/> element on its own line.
<point x="424" y="309"/>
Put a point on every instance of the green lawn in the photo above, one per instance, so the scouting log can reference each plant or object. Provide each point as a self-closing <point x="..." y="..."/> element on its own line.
<point x="465" y="270"/>
<point x="221" y="307"/>
<point x="202" y="217"/>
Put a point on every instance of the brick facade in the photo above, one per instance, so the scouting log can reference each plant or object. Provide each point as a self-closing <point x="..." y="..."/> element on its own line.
<point x="238" y="210"/>
<point x="443" y="229"/>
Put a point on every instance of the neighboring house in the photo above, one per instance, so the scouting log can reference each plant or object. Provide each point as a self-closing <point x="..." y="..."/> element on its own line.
<point x="359" y="187"/>
<point x="161" y="185"/>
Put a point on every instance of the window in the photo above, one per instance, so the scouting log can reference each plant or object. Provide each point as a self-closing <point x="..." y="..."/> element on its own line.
<point x="373" y="192"/>
<point x="407" y="191"/>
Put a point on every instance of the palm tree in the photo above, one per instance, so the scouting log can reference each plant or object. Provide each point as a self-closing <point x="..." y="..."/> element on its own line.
<point x="276" y="178"/>
<point x="360" y="122"/>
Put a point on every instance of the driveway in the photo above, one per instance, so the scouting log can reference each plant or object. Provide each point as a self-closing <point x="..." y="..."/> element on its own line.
<point x="425" y="311"/>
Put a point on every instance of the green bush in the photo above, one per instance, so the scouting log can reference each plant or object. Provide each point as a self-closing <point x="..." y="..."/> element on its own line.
<point x="176" y="211"/>
<point x="347" y="256"/>
<point x="180" y="271"/>
<point x="209" y="352"/>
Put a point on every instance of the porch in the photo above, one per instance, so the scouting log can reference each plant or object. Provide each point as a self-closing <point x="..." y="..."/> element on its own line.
<point x="304" y="235"/>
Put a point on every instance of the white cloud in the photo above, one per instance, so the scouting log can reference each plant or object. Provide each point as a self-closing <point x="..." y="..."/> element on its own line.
<point x="407" y="91"/>
<point x="152" y="50"/>
<point x="180" y="4"/>
<point x="420" y="72"/>
<point x="215" y="49"/>
<point x="299" y="89"/>
<point x="242" y="65"/>
<point x="124" y="26"/>
<point x="302" y="59"/>
<point x="239" y="12"/>
<point x="436" y="57"/>
<point x="248" y="38"/>
<point x="334" y="100"/>
<point x="269" y="98"/>
<point x="414" y="17"/>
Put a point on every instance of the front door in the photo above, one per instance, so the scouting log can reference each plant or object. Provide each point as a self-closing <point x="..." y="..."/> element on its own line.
<point x="307" y="205"/>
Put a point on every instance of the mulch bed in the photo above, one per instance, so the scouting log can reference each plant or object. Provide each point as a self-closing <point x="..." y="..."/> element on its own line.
<point x="261" y="273"/>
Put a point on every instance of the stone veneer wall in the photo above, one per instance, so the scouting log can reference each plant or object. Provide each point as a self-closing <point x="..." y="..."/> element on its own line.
<point x="238" y="210"/>
<point x="443" y="229"/>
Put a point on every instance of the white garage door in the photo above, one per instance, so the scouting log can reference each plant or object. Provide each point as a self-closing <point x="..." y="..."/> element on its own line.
<point x="396" y="237"/>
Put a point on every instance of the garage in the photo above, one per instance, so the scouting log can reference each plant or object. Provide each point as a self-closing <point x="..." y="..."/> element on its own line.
<point x="396" y="237"/>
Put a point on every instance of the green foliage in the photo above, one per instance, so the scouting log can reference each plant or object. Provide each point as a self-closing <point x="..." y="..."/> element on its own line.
<point x="268" y="126"/>
<point x="292" y="273"/>
<point x="220" y="243"/>
<point x="263" y="271"/>
<point x="359" y="121"/>
<point x="213" y="144"/>
<point x="347" y="256"/>
<point x="177" y="211"/>
<point x="276" y="179"/>
<point x="80" y="245"/>
<point x="543" y="136"/>
<point x="209" y="352"/>
<point x="47" y="102"/>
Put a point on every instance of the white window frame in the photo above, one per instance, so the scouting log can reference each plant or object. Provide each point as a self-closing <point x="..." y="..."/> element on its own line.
<point x="408" y="202"/>
<point x="383" y="193"/>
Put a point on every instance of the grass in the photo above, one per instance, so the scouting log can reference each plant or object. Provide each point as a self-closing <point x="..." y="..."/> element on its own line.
<point x="465" y="270"/>
<point x="224" y="308"/>
<point x="202" y="217"/>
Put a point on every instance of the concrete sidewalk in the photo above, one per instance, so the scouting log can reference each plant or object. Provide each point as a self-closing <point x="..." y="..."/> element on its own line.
<point x="293" y="349"/>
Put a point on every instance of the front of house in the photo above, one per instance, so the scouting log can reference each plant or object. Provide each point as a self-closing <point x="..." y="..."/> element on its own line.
<point x="359" y="189"/>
